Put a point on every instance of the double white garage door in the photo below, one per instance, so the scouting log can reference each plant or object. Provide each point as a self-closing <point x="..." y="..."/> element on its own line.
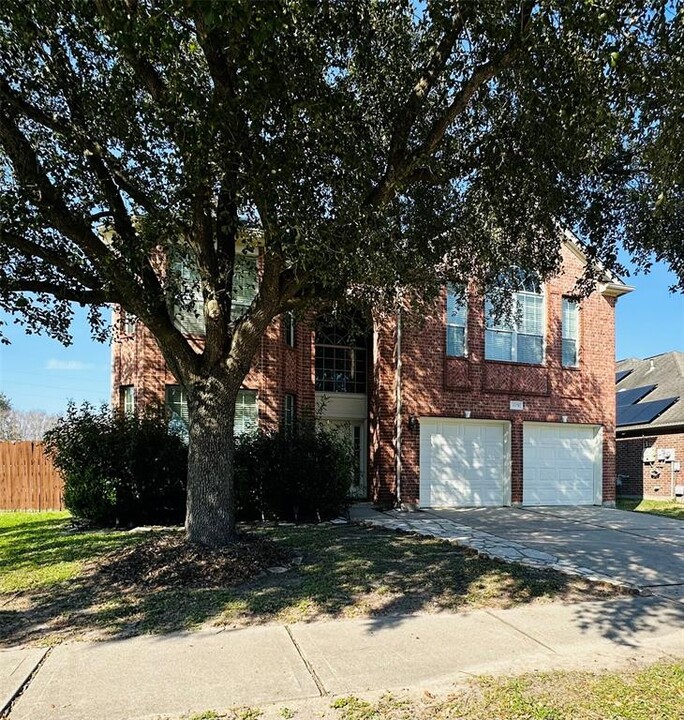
<point x="467" y="463"/>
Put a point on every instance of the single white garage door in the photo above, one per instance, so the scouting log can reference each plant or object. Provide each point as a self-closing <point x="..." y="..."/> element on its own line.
<point x="562" y="464"/>
<point x="464" y="463"/>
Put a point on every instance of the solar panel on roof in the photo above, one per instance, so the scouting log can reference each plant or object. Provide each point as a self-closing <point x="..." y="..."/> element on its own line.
<point x="621" y="375"/>
<point x="629" y="397"/>
<point x="643" y="413"/>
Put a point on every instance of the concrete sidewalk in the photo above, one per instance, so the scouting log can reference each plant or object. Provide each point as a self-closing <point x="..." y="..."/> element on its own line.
<point x="174" y="675"/>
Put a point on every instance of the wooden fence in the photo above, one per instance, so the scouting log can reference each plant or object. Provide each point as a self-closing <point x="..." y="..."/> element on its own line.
<point x="28" y="479"/>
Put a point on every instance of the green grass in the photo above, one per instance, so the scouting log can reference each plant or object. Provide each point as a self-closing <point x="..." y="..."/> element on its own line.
<point x="654" y="692"/>
<point x="345" y="571"/>
<point x="38" y="551"/>
<point x="666" y="508"/>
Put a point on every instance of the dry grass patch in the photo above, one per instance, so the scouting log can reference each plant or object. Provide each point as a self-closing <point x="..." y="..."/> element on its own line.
<point x="124" y="584"/>
<point x="655" y="692"/>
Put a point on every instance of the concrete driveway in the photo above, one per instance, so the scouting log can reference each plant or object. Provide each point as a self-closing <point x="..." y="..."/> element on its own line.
<point x="645" y="551"/>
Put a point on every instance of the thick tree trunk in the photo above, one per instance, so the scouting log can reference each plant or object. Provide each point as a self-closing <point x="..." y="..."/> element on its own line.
<point x="210" y="518"/>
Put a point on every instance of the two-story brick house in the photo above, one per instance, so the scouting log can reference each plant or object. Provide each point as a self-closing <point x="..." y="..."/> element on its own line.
<point x="459" y="409"/>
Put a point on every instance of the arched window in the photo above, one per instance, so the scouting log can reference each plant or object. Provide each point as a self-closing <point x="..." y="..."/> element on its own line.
<point x="517" y="336"/>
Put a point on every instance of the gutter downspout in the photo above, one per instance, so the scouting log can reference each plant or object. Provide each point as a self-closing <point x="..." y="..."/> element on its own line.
<point x="398" y="405"/>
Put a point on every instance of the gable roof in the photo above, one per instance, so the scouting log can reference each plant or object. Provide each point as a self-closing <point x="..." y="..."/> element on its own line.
<point x="666" y="373"/>
<point x="609" y="284"/>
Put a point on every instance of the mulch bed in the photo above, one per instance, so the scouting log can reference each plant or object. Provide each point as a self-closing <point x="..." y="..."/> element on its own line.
<point x="168" y="561"/>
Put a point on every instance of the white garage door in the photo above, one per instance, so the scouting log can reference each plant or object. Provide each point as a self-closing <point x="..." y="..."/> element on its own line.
<point x="561" y="464"/>
<point x="463" y="463"/>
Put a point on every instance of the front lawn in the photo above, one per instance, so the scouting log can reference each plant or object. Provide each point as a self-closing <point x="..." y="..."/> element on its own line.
<point x="114" y="584"/>
<point x="666" y="508"/>
<point x="37" y="550"/>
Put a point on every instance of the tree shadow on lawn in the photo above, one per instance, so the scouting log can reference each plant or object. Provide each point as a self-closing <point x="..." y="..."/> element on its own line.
<point x="345" y="571"/>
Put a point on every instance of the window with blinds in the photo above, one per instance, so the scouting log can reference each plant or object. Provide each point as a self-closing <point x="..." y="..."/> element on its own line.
<point x="244" y="284"/>
<point x="456" y="323"/>
<point x="520" y="336"/>
<point x="189" y="314"/>
<point x="570" y="333"/>
<point x="246" y="411"/>
<point x="189" y="317"/>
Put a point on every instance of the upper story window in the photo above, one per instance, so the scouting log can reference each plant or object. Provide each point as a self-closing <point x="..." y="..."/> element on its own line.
<point x="341" y="357"/>
<point x="289" y="329"/>
<point x="245" y="284"/>
<point x="128" y="322"/>
<point x="246" y="410"/>
<point x="570" y="333"/>
<point x="518" y="336"/>
<point x="456" y="323"/>
<point x="190" y="316"/>
<point x="127" y="399"/>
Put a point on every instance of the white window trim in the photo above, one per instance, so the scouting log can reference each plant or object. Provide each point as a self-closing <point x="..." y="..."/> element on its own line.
<point x="242" y="393"/>
<point x="565" y="299"/>
<point x="128" y="322"/>
<point x="127" y="393"/>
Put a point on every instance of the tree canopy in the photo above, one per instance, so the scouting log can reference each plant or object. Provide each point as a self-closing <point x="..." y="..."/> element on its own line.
<point x="371" y="149"/>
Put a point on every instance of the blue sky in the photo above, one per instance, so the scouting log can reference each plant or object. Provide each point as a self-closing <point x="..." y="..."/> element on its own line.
<point x="39" y="373"/>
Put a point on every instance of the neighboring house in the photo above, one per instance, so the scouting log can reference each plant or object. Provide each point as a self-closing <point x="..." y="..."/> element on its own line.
<point x="458" y="410"/>
<point x="650" y="426"/>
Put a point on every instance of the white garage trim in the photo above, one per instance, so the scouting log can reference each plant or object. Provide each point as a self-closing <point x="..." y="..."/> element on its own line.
<point x="562" y="464"/>
<point x="464" y="463"/>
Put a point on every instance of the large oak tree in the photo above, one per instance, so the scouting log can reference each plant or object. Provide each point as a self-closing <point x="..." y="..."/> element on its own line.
<point x="372" y="149"/>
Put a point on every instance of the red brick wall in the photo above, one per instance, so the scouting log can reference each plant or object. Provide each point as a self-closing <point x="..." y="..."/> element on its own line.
<point x="432" y="384"/>
<point x="382" y="413"/>
<point x="652" y="480"/>
<point x="277" y="369"/>
<point x="435" y="385"/>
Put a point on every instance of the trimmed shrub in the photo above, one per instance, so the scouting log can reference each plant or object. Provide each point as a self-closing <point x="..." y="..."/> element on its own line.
<point x="120" y="470"/>
<point x="301" y="474"/>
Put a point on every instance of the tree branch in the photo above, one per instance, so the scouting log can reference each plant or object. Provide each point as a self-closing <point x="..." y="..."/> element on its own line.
<point x="66" y="128"/>
<point x="82" y="296"/>
<point x="50" y="256"/>
<point x="45" y="195"/>
<point x="388" y="185"/>
<point x="428" y="77"/>
<point x="481" y="75"/>
<point x="146" y="300"/>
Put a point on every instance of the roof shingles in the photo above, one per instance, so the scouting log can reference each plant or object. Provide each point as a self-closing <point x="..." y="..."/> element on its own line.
<point x="666" y="371"/>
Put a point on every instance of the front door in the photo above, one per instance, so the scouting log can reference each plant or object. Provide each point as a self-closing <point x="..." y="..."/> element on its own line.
<point x="354" y="432"/>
